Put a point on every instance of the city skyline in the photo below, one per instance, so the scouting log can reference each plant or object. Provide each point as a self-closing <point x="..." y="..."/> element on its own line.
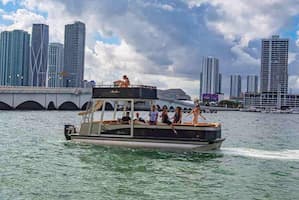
<point x="165" y="41"/>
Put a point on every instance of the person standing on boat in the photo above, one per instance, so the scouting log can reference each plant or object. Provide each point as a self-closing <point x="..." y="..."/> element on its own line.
<point x="177" y="118"/>
<point x="165" y="119"/>
<point x="196" y="113"/>
<point x="153" y="115"/>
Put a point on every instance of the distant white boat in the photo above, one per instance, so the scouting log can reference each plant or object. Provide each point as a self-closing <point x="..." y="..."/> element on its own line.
<point x="250" y="109"/>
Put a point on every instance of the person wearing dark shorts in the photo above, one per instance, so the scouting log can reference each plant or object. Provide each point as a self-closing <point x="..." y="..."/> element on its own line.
<point x="165" y="119"/>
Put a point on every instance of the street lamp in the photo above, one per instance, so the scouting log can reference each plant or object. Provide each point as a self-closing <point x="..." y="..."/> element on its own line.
<point x="9" y="82"/>
<point x="18" y="84"/>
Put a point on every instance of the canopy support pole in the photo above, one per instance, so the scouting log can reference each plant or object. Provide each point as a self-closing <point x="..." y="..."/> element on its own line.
<point x="132" y="118"/>
<point x="91" y="117"/>
<point x="115" y="109"/>
<point x="102" y="117"/>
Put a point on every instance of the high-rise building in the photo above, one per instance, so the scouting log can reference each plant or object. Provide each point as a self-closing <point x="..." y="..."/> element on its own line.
<point x="274" y="65"/>
<point x="252" y="84"/>
<point x="14" y="58"/>
<point x="74" y="44"/>
<point x="210" y="78"/>
<point x="39" y="55"/>
<point x="235" y="86"/>
<point x="55" y="65"/>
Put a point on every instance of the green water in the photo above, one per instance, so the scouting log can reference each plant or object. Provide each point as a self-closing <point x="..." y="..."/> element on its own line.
<point x="259" y="160"/>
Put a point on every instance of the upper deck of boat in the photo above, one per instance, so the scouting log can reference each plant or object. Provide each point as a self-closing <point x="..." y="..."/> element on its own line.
<point x="131" y="92"/>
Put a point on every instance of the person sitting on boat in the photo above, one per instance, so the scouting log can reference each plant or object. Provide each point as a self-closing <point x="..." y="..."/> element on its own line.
<point x="126" y="119"/>
<point x="153" y="115"/>
<point x="196" y="113"/>
<point x="138" y="118"/>
<point x="165" y="119"/>
<point x="177" y="118"/>
<point x="125" y="82"/>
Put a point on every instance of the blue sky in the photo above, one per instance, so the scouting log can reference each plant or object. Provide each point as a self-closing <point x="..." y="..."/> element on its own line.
<point x="162" y="42"/>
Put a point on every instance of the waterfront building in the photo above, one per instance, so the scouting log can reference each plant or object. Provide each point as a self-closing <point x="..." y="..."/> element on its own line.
<point x="74" y="44"/>
<point x="14" y="58"/>
<point x="39" y="55"/>
<point x="55" y="65"/>
<point x="271" y="100"/>
<point x="274" y="65"/>
<point x="252" y="84"/>
<point x="176" y="93"/>
<point x="235" y="86"/>
<point x="210" y="78"/>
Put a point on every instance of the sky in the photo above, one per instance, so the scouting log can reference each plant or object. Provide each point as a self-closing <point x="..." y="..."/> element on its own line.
<point x="162" y="42"/>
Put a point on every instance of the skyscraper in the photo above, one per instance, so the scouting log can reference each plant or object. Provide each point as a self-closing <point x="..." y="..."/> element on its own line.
<point x="252" y="83"/>
<point x="274" y="65"/>
<point x="210" y="78"/>
<point x="39" y="55"/>
<point x="14" y="58"/>
<point x="55" y="65"/>
<point x="74" y="44"/>
<point x="235" y="86"/>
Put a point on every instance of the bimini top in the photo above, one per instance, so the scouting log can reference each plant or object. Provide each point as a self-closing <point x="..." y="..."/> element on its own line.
<point x="131" y="92"/>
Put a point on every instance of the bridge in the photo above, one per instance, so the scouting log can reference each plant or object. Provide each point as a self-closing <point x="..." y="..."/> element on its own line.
<point x="41" y="98"/>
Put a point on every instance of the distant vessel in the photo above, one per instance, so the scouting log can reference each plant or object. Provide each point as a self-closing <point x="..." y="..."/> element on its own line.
<point x="136" y="134"/>
<point x="250" y="109"/>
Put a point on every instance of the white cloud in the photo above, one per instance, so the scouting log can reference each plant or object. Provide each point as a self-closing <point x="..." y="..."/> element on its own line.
<point x="294" y="83"/>
<point x="248" y="20"/>
<point x="22" y="19"/>
<point x="4" y="2"/>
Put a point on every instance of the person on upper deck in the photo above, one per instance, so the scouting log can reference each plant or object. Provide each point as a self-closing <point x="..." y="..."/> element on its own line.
<point x="125" y="82"/>
<point x="177" y="118"/>
<point x="153" y="115"/>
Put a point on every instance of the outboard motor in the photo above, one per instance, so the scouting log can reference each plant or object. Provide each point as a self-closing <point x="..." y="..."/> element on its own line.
<point x="68" y="130"/>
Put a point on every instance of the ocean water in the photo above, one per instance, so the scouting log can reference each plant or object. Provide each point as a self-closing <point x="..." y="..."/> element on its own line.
<point x="258" y="160"/>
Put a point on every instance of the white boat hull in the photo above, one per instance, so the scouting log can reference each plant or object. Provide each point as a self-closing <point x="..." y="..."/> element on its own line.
<point x="161" y="145"/>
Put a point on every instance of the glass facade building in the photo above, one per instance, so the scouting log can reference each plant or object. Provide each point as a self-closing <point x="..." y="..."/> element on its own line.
<point x="14" y="58"/>
<point x="55" y="65"/>
<point x="74" y="45"/>
<point x="235" y="86"/>
<point x="274" y="65"/>
<point x="210" y="78"/>
<point x="252" y="84"/>
<point x="39" y="55"/>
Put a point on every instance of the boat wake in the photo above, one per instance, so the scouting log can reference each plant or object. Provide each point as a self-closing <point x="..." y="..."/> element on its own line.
<point x="263" y="154"/>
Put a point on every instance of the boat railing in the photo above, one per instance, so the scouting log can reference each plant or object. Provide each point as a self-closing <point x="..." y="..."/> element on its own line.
<point x="130" y="86"/>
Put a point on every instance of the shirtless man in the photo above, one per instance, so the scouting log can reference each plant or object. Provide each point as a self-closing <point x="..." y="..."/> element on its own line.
<point x="125" y="82"/>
